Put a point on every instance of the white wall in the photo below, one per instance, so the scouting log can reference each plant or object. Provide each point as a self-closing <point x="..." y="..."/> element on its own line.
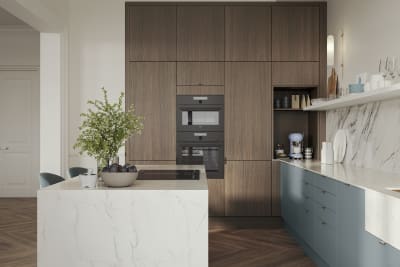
<point x="19" y="46"/>
<point x="50" y="103"/>
<point x="96" y="59"/>
<point x="371" y="31"/>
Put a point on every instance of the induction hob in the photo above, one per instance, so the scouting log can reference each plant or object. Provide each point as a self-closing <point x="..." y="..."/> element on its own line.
<point x="169" y="175"/>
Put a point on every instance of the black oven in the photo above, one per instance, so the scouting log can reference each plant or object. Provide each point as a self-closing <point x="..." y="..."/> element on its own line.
<point x="200" y="113"/>
<point x="201" y="148"/>
<point x="200" y="133"/>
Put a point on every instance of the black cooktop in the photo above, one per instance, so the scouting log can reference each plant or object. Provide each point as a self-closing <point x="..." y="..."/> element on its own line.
<point x="169" y="175"/>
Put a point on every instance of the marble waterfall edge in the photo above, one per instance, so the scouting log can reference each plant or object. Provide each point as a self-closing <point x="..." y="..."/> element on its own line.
<point x="373" y="132"/>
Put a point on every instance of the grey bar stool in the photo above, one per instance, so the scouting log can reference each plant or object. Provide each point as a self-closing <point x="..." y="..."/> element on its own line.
<point x="76" y="171"/>
<point x="47" y="179"/>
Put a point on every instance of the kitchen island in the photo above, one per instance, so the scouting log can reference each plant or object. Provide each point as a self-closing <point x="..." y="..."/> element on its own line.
<point x="151" y="223"/>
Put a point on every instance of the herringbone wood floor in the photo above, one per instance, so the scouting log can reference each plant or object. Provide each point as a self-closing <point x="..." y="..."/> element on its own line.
<point x="234" y="242"/>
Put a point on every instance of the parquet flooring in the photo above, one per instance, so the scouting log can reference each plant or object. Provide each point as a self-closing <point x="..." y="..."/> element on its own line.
<point x="234" y="242"/>
<point x="253" y="242"/>
<point x="17" y="232"/>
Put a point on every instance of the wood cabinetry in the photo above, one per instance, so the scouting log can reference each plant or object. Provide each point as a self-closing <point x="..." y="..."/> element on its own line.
<point x="248" y="33"/>
<point x="200" y="73"/>
<point x="248" y="111"/>
<point x="200" y="33"/>
<point x="151" y="33"/>
<point x="151" y="87"/>
<point x="295" y="74"/>
<point x="216" y="197"/>
<point x="295" y="33"/>
<point x="248" y="188"/>
<point x="275" y="189"/>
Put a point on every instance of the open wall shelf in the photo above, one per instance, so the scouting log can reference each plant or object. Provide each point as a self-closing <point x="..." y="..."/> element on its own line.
<point x="358" y="99"/>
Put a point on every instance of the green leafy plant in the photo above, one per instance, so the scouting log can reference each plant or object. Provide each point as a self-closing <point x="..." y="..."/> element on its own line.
<point x="106" y="127"/>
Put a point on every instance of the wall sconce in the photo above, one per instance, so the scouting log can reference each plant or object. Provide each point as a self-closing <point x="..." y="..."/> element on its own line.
<point x="330" y="50"/>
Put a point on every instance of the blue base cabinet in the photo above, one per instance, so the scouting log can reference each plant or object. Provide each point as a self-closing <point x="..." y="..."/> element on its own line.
<point x="328" y="219"/>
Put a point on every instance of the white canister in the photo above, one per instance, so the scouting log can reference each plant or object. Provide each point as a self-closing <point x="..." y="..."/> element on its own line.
<point x="88" y="180"/>
<point x="327" y="153"/>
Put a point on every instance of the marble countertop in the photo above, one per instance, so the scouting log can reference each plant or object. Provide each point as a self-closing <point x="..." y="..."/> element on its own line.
<point x="364" y="178"/>
<point x="201" y="184"/>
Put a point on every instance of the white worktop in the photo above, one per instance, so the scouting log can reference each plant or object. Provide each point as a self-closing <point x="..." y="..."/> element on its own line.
<point x="201" y="184"/>
<point x="151" y="223"/>
<point x="368" y="179"/>
<point x="382" y="206"/>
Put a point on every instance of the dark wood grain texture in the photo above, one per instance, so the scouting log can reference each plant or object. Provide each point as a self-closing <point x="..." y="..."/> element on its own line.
<point x="200" y="90"/>
<point x="18" y="232"/>
<point x="200" y="33"/>
<point x="151" y="87"/>
<point x="253" y="242"/>
<point x="248" y="188"/>
<point x="248" y="33"/>
<point x="200" y="73"/>
<point x="275" y="189"/>
<point x="248" y="111"/>
<point x="151" y="33"/>
<point x="295" y="74"/>
<point x="295" y="33"/>
<point x="216" y="197"/>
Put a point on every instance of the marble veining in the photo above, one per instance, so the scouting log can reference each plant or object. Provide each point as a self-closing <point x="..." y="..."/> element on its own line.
<point x="373" y="134"/>
<point x="150" y="224"/>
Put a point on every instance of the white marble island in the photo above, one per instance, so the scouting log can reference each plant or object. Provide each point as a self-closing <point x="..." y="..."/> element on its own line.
<point x="152" y="223"/>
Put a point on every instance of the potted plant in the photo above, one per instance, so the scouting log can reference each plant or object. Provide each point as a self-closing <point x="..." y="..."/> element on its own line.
<point x="105" y="128"/>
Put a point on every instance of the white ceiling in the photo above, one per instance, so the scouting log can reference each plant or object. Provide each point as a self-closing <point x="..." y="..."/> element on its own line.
<point x="6" y="19"/>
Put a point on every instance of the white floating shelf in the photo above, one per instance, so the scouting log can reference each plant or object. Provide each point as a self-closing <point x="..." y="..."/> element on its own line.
<point x="358" y="99"/>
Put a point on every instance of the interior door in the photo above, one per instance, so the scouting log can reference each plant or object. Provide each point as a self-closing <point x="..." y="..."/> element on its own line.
<point x="19" y="133"/>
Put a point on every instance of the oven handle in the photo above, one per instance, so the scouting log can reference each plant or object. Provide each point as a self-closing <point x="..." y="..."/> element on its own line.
<point x="200" y="134"/>
<point x="200" y="98"/>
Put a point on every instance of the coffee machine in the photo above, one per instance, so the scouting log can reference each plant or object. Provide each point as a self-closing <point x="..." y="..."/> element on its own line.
<point x="296" y="145"/>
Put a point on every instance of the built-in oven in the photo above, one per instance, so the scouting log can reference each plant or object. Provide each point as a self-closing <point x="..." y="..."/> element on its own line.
<point x="200" y="113"/>
<point x="202" y="148"/>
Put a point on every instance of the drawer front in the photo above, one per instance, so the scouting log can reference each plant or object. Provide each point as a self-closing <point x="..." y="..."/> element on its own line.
<point x="325" y="215"/>
<point x="326" y="184"/>
<point x="325" y="241"/>
<point x="200" y="136"/>
<point x="325" y="198"/>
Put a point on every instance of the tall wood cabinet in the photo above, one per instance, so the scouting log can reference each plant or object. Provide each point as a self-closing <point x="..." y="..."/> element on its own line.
<point x="151" y="33"/>
<point x="200" y="33"/>
<point x="248" y="188"/>
<point x="248" y="111"/>
<point x="240" y="50"/>
<point x="295" y="33"/>
<point x="247" y="33"/>
<point x="152" y="89"/>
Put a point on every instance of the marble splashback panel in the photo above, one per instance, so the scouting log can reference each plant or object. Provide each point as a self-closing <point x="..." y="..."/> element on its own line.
<point x="373" y="134"/>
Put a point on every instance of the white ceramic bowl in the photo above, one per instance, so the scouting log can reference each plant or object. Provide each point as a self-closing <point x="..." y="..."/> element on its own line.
<point x="119" y="179"/>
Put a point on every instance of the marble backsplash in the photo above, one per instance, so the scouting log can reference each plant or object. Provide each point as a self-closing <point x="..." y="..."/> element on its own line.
<point x="373" y="134"/>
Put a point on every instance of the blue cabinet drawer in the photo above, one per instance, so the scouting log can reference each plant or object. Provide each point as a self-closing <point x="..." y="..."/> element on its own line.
<point x="326" y="184"/>
<point x="325" y="198"/>
<point x="325" y="239"/>
<point x="325" y="215"/>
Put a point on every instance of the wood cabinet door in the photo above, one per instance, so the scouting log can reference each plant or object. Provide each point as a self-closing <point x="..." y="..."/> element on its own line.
<point x="276" y="189"/>
<point x="248" y="188"/>
<point x="295" y="33"/>
<point x="216" y="197"/>
<point x="200" y="73"/>
<point x="200" y="33"/>
<point x="247" y="33"/>
<point x="151" y="33"/>
<point x="295" y="74"/>
<point x="248" y="111"/>
<point x="151" y="87"/>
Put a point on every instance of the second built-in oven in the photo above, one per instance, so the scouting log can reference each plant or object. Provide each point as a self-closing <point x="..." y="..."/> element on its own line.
<point x="200" y="113"/>
<point x="202" y="148"/>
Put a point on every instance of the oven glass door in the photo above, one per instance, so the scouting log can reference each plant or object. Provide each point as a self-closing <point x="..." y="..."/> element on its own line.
<point x="208" y="118"/>
<point x="211" y="155"/>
